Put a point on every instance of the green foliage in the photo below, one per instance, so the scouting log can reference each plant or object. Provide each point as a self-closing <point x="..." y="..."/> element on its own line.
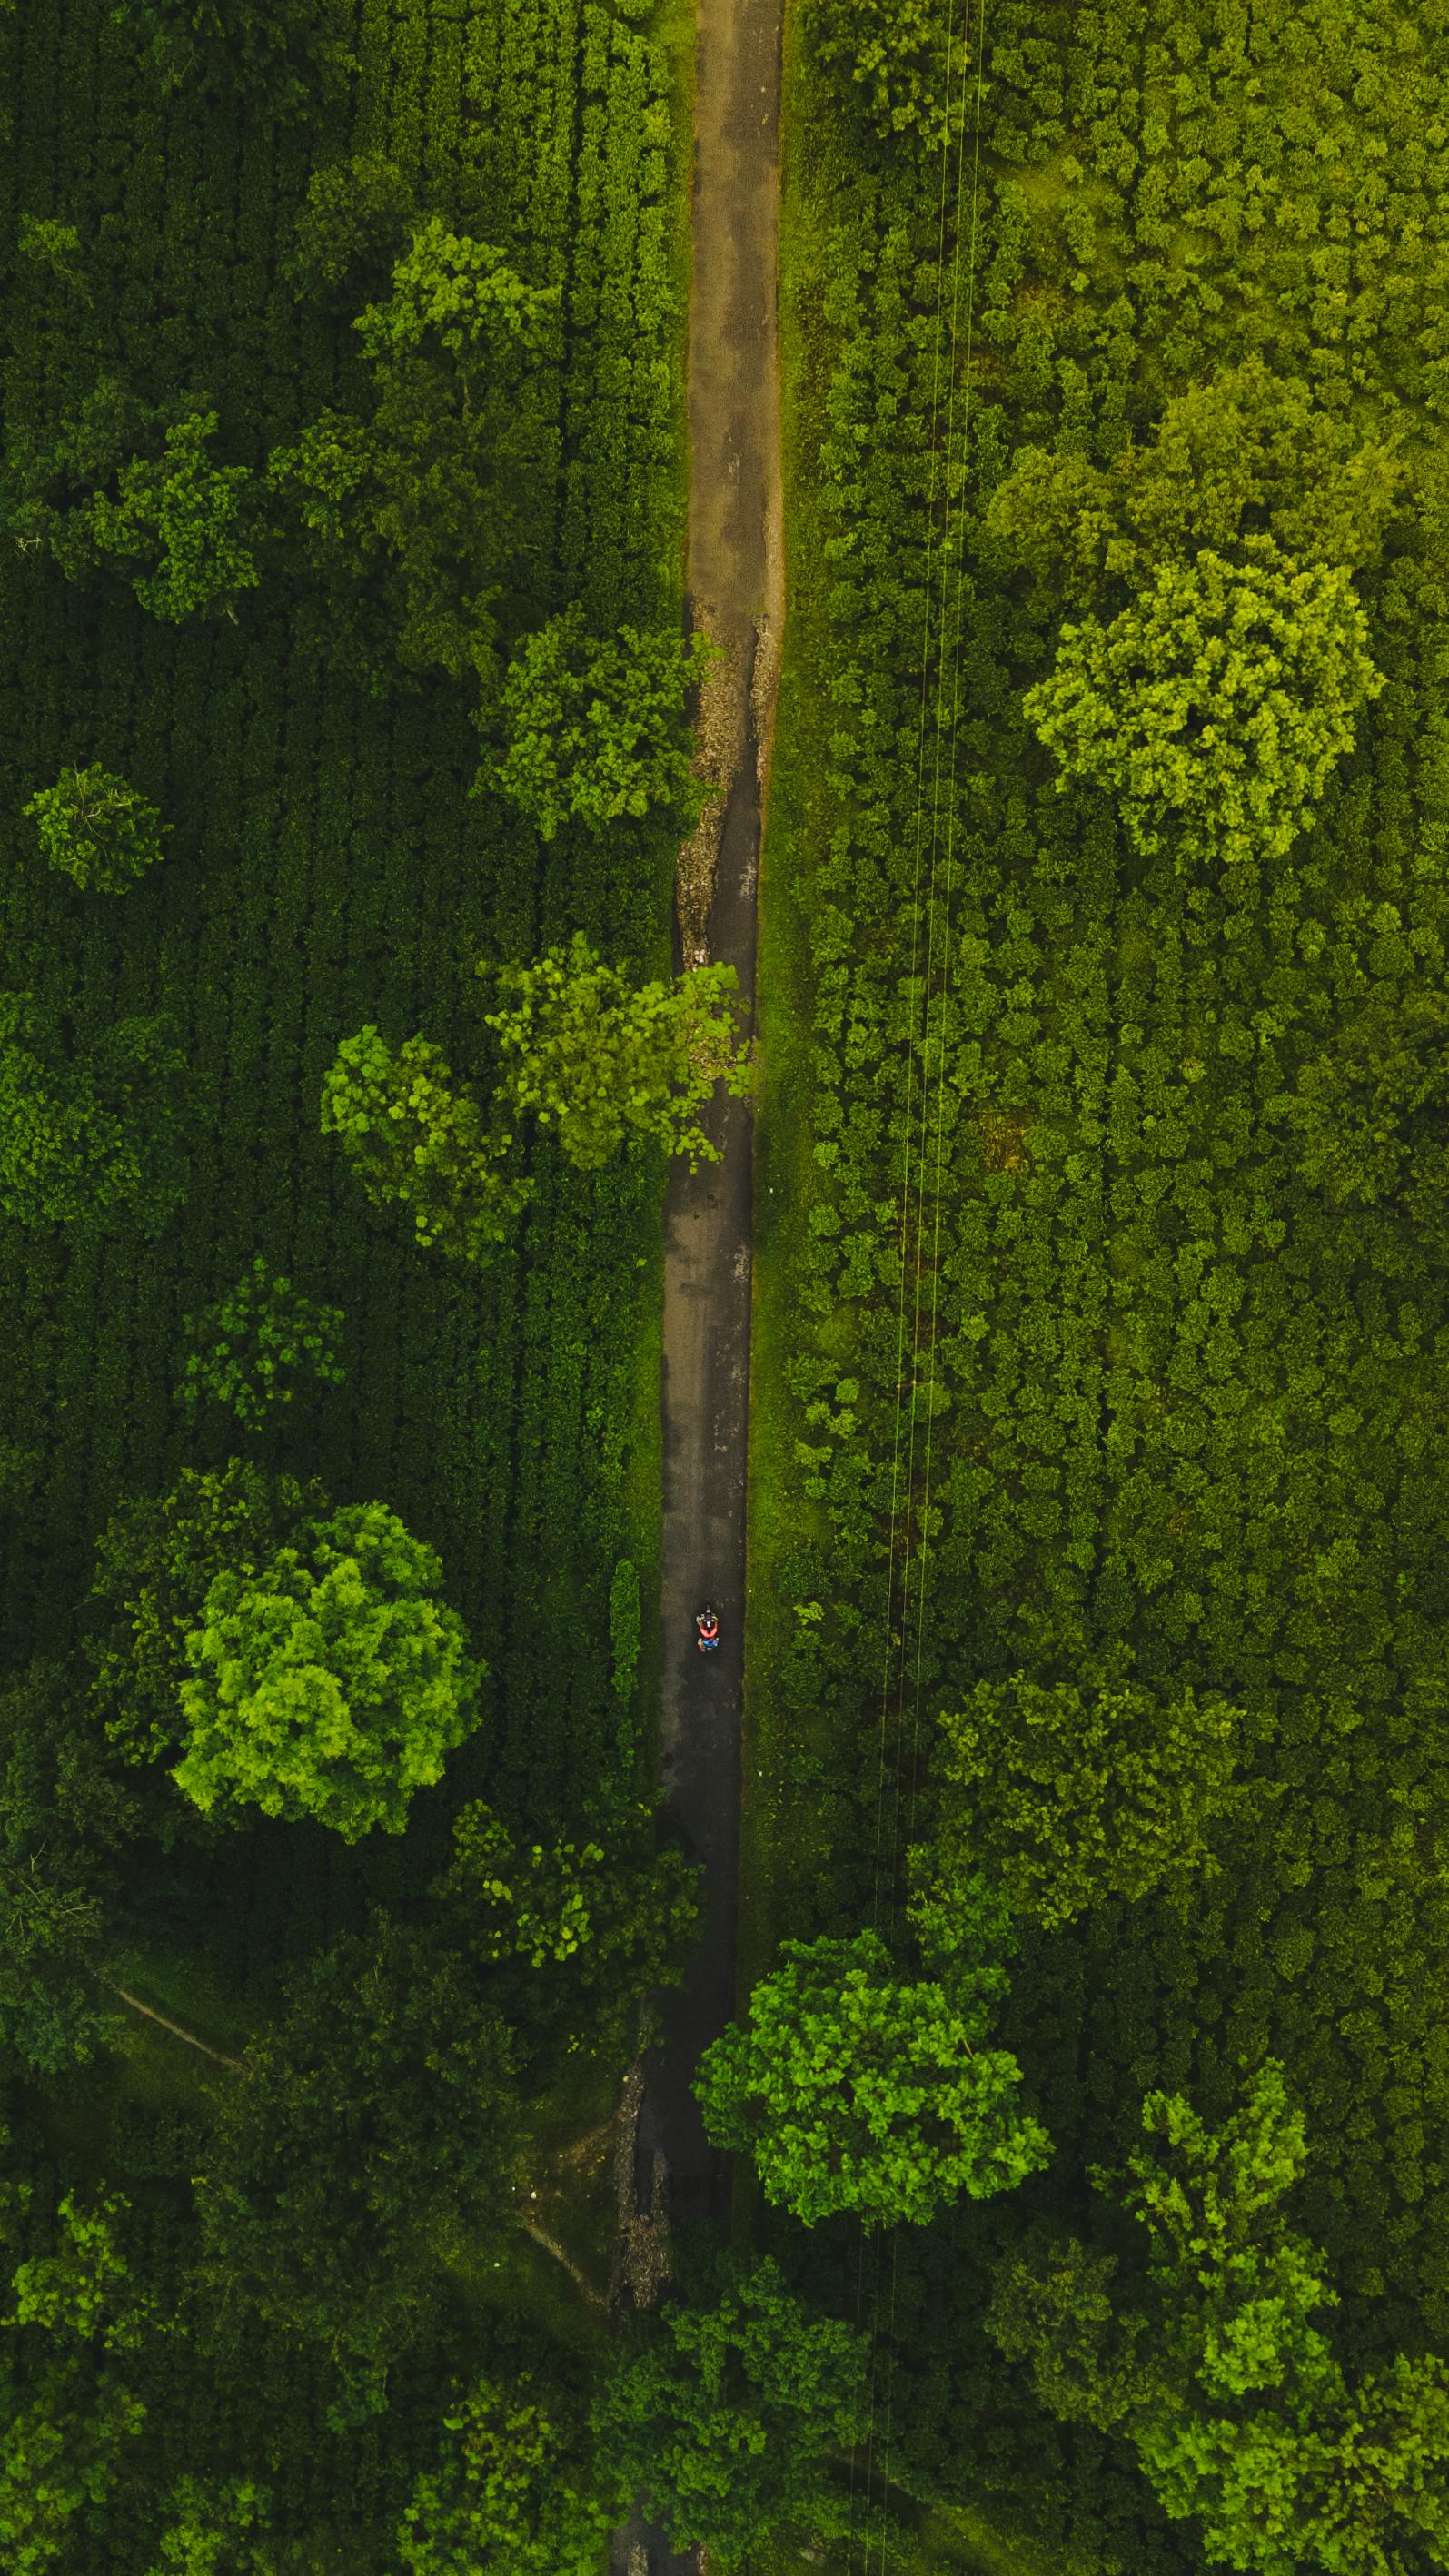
<point x="268" y="51"/>
<point x="156" y="1561"/>
<point x="424" y="506"/>
<point x="83" y="2290"/>
<point x="178" y="526"/>
<point x="595" y="729"/>
<point x="354" y="211"/>
<point x="617" y="1919"/>
<point x="54" y="247"/>
<point x="416" y="1142"/>
<point x="624" y="1626"/>
<point x="720" y="2414"/>
<point x="1217" y="705"/>
<point x="594" y="1056"/>
<point x="1367" y="1114"/>
<point x="510" y="2490"/>
<point x="855" y="2091"/>
<point x="63" y="1817"/>
<point x="377" y="2118"/>
<point x="457" y="295"/>
<point x="82" y="1138"/>
<point x="331" y="1682"/>
<point x="259" y="1342"/>
<point x="1240" y="2413"/>
<point x="61" y="2456"/>
<point x="902" y="64"/>
<point x="532" y="1901"/>
<point x="96" y="828"/>
<point x="1248" y="453"/>
<point x="215" y="2532"/>
<point x="1076" y="1797"/>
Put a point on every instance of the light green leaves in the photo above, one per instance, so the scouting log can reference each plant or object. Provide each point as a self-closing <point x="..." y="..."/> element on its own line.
<point x="1216" y="706"/>
<point x="178" y="525"/>
<point x="331" y="1683"/>
<point x="855" y="2091"/>
<point x="416" y="1141"/>
<point x="595" y="1057"/>
<point x="96" y="829"/>
<point x="594" y="727"/>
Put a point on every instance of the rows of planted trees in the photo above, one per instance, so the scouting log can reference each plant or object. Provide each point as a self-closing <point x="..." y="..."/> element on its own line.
<point x="1092" y="2077"/>
<point x="344" y="758"/>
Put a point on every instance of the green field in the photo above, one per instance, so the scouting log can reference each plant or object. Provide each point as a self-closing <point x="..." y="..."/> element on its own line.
<point x="326" y="866"/>
<point x="1066" y="1354"/>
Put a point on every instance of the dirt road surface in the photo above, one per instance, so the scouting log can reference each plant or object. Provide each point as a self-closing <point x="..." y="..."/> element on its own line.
<point x="736" y="595"/>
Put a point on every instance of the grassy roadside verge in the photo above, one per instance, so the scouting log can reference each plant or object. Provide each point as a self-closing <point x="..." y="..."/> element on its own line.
<point x="778" y="1830"/>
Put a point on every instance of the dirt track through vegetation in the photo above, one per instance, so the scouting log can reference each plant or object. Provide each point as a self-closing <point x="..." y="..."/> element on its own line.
<point x="736" y="596"/>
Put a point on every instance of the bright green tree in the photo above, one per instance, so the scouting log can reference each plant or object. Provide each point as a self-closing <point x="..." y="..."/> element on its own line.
<point x="332" y="1682"/>
<point x="156" y="1561"/>
<point x="594" y="727"/>
<point x="216" y="2531"/>
<point x="1241" y="2415"/>
<point x="177" y="526"/>
<point x="594" y="1056"/>
<point x="96" y="828"/>
<point x="854" y="2090"/>
<point x="84" y="1136"/>
<point x="378" y="2121"/>
<point x="458" y="296"/>
<point x="722" y="2414"/>
<point x="417" y="1140"/>
<point x="1075" y="1796"/>
<point x="258" y="1344"/>
<point x="1249" y="453"/>
<point x="511" y="2490"/>
<point x="1217" y="704"/>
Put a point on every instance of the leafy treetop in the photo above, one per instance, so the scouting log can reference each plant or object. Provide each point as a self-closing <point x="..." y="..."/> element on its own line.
<point x="331" y="1682"/>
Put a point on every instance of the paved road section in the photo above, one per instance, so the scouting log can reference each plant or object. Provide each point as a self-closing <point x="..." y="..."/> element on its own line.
<point x="736" y="592"/>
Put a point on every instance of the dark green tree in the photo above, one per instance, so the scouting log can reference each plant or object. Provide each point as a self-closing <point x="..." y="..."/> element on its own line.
<point x="67" y="2404"/>
<point x="903" y="65"/>
<point x="258" y="1345"/>
<point x="84" y="1136"/>
<point x="156" y="1561"/>
<point x="96" y="829"/>
<point x="1073" y="1796"/>
<point x="1368" y="1115"/>
<point x="855" y="2090"/>
<point x="594" y="727"/>
<point x="424" y="510"/>
<point x="723" y="2414"/>
<point x="377" y="2120"/>
<point x="64" y="1816"/>
<point x="1240" y="2413"/>
<point x="417" y="1140"/>
<point x="273" y="53"/>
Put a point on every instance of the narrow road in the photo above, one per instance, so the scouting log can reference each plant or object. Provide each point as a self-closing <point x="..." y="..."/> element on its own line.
<point x="736" y="596"/>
